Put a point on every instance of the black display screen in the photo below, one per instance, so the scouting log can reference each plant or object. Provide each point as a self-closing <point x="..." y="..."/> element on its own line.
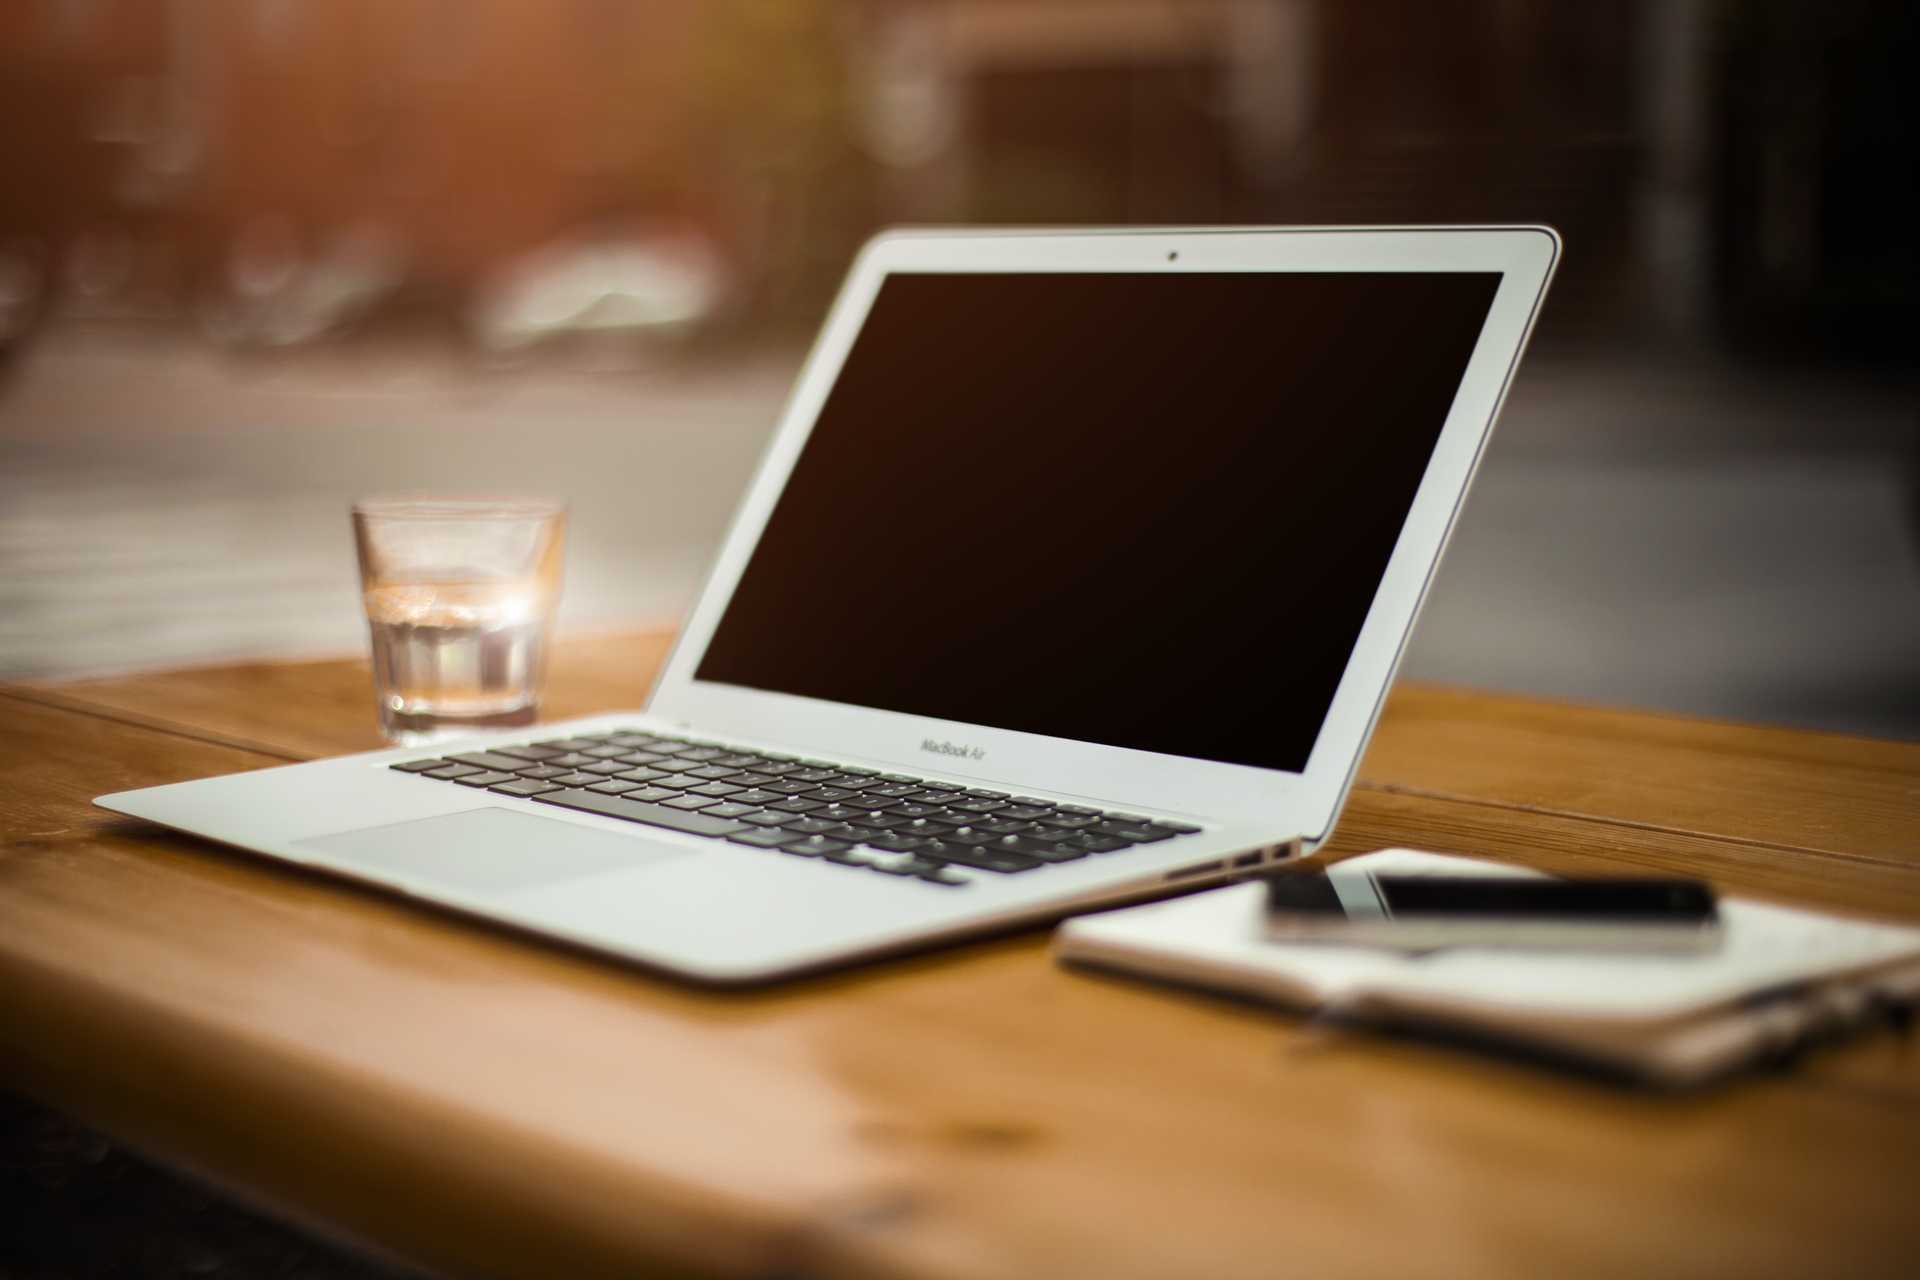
<point x="1149" y="511"/>
<point x="1606" y="899"/>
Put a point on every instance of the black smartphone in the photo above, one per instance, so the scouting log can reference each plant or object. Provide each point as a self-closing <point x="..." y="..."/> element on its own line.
<point x="1337" y="904"/>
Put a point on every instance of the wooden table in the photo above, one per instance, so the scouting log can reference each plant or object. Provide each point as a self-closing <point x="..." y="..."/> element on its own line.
<point x="484" y="1103"/>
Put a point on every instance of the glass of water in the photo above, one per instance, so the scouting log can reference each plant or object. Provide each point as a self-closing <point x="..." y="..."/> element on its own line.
<point x="460" y="594"/>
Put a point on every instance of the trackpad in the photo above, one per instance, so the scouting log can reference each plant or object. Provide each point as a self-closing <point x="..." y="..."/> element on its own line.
<point x="490" y="850"/>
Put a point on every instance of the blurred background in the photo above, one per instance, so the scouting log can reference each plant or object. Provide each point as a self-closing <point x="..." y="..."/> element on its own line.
<point x="258" y="257"/>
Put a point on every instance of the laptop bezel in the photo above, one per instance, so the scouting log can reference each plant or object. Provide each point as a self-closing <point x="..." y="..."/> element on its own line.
<point x="1303" y="803"/>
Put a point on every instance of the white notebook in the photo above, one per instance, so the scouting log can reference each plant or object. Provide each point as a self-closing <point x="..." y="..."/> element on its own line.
<point x="1781" y="978"/>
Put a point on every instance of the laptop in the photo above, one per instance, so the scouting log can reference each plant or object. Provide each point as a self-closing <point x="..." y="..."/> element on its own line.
<point x="1076" y="571"/>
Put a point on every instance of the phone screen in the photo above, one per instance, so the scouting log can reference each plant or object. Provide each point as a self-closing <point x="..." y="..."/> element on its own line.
<point x="1330" y="893"/>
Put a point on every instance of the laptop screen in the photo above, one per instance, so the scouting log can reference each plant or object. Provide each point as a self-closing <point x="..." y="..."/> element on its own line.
<point x="1148" y="511"/>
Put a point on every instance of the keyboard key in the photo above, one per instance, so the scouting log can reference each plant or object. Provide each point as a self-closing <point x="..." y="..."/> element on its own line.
<point x="845" y="781"/>
<point x="907" y="809"/>
<point x="977" y="794"/>
<point x="702" y="754"/>
<point x="534" y="754"/>
<point x="690" y="802"/>
<point x="898" y="843"/>
<point x="1178" y="828"/>
<point x="755" y="795"/>
<point x="485" y="779"/>
<point x="901" y="777"/>
<point x="487" y="760"/>
<point x="604" y="753"/>
<point x="778" y="768"/>
<point x="793" y="804"/>
<point x="970" y="835"/>
<point x="890" y="790"/>
<point x="920" y="795"/>
<point x="1045" y="850"/>
<point x="571" y="760"/>
<point x="980" y="806"/>
<point x="633" y="741"/>
<point x="1026" y="811"/>
<point x="642" y="757"/>
<point x="418" y="766"/>
<point x="761" y="837"/>
<point x="657" y="815"/>
<point x="643" y="774"/>
<point x="541" y="772"/>
<point x="651" y="795"/>
<point x="987" y="859"/>
<point x="764" y="817"/>
<point x="812" y="775"/>
<point x="527" y="787"/>
<point x="840" y="813"/>
<point x="1131" y="834"/>
<point x="1006" y="826"/>
<point x="808" y="826"/>
<point x="577" y="779"/>
<point x="677" y="766"/>
<point x="1069" y="821"/>
<point x="614" y="787"/>
<point x="1078" y="810"/>
<point x="790" y="788"/>
<point x="1096" y="844"/>
<point x="568" y="744"/>
<point x="879" y="821"/>
<point x="815" y="846"/>
<point x="737" y="759"/>
<point x="604" y="768"/>
<point x="829" y="793"/>
<point x="858" y="772"/>
<point x="728" y="809"/>
<point x="713" y="772"/>
<point x="716" y="789"/>
<point x="450" y="771"/>
<point x="749" y="778"/>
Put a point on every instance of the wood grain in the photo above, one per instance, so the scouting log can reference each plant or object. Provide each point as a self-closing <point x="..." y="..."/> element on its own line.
<point x="482" y="1103"/>
<point x="1824" y="792"/>
<point x="486" y="1103"/>
<point x="304" y="710"/>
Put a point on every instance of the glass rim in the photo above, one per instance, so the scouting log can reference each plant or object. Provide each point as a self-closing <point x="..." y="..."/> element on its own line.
<point x="451" y="506"/>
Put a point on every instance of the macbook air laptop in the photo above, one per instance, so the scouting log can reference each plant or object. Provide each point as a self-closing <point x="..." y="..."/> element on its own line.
<point x="1075" y="571"/>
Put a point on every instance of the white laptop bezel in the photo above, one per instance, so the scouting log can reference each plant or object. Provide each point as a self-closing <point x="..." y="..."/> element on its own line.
<point x="1294" y="803"/>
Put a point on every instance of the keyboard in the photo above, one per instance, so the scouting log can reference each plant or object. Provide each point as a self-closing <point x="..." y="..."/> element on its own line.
<point x="894" y="823"/>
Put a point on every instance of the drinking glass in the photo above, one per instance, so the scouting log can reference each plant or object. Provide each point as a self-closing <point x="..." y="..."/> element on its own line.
<point x="460" y="593"/>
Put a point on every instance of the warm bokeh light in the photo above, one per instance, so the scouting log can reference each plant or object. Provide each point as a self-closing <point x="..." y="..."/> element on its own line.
<point x="258" y="256"/>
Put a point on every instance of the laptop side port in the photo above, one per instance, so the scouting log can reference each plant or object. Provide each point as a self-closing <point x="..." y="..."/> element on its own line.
<point x="1250" y="859"/>
<point x="1187" y="873"/>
